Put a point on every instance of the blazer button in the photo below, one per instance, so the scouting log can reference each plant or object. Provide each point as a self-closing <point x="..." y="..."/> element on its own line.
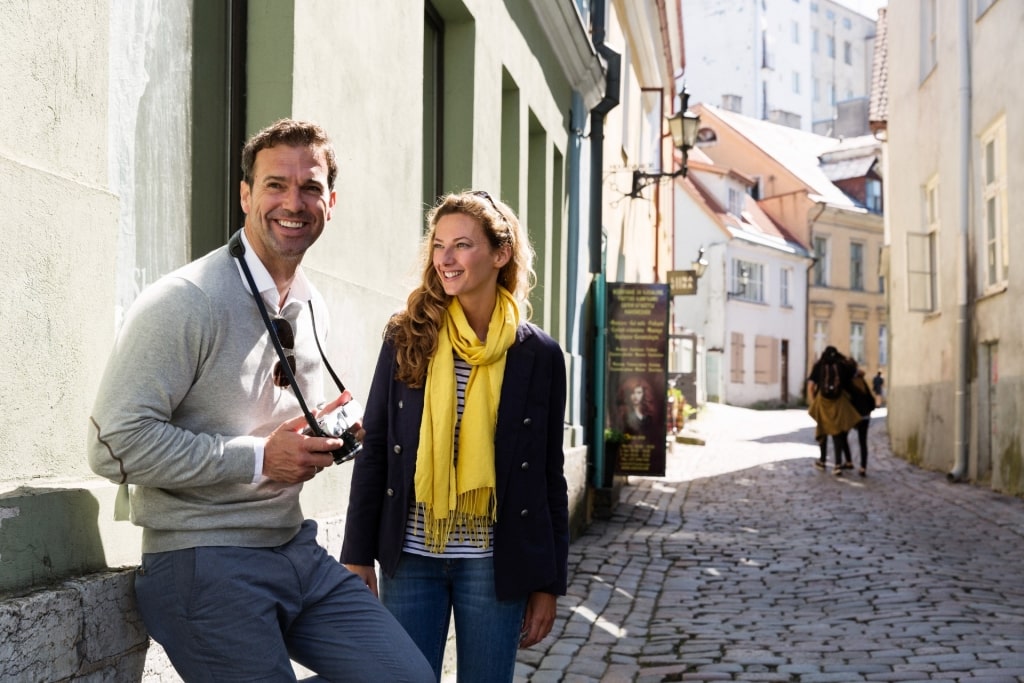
<point x="390" y="492"/>
<point x="397" y="449"/>
<point x="527" y="422"/>
<point x="524" y="513"/>
<point x="401" y="404"/>
<point x="525" y="466"/>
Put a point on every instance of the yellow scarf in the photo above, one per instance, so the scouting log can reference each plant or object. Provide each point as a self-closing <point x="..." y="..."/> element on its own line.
<point x="464" y="494"/>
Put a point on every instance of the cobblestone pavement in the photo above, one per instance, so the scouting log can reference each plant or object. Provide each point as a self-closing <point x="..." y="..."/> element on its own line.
<point x="746" y="563"/>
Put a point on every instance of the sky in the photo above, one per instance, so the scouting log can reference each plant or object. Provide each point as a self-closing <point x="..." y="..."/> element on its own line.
<point x="868" y="8"/>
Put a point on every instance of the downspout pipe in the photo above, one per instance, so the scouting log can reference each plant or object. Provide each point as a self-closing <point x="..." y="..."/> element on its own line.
<point x="808" y="334"/>
<point x="613" y="62"/>
<point x="961" y="434"/>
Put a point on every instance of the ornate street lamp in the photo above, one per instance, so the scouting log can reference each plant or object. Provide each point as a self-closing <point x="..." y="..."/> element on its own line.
<point x="683" y="127"/>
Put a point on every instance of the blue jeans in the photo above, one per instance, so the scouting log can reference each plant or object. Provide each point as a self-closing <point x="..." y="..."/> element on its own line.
<point x="426" y="591"/>
<point x="241" y="614"/>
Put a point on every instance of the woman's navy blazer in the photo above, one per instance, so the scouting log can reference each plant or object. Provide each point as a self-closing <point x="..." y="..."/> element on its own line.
<point x="531" y="534"/>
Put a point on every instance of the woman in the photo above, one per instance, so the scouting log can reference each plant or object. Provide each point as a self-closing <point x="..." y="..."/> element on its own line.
<point x="864" y="401"/>
<point x="830" y="406"/>
<point x="459" y="492"/>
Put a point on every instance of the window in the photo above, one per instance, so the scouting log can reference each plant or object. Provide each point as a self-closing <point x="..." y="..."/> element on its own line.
<point x="820" y="337"/>
<point x="847" y="24"/>
<point x="796" y="32"/>
<point x="830" y="46"/>
<point x="735" y="201"/>
<point x="921" y="255"/>
<point x="814" y="7"/>
<point x="650" y="130"/>
<point x="785" y="277"/>
<point x="732" y="103"/>
<point x="767" y="54"/>
<point x="847" y="52"/>
<point x="857" y="342"/>
<point x="747" y="281"/>
<point x="994" y="205"/>
<point x="873" y="195"/>
<point x="883" y="346"/>
<point x="814" y="41"/>
<point x="830" y="15"/>
<point x="821" y="261"/>
<point x="817" y="89"/>
<point x="881" y="277"/>
<point x="796" y="82"/>
<point x="857" y="266"/>
<point x="929" y="36"/>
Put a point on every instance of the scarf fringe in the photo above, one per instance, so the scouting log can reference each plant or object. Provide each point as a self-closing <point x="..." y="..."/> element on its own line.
<point x="474" y="514"/>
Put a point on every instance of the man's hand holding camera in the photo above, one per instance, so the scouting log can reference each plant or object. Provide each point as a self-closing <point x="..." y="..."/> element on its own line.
<point x="291" y="457"/>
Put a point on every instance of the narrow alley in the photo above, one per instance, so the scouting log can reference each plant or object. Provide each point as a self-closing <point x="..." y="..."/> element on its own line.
<point x="747" y="563"/>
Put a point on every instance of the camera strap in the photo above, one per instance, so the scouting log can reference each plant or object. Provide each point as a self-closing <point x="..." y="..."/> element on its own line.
<point x="237" y="250"/>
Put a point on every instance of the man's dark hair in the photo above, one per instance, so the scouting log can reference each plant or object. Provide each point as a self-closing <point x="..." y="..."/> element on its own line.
<point x="294" y="134"/>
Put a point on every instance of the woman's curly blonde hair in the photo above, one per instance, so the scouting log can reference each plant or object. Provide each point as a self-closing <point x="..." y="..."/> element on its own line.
<point x="414" y="331"/>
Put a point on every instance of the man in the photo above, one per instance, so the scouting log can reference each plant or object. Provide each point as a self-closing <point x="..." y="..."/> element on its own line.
<point x="194" y="412"/>
<point x="878" y="386"/>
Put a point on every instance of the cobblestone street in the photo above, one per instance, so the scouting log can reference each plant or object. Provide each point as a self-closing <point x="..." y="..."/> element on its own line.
<point x="746" y="563"/>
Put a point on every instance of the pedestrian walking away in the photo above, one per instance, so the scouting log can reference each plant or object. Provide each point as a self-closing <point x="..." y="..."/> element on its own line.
<point x="200" y="410"/>
<point x="878" y="386"/>
<point x="830" y="407"/>
<point x="864" y="402"/>
<point x="464" y="505"/>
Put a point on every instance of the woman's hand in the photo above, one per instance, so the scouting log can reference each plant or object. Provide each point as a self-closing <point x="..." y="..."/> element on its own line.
<point x="539" y="618"/>
<point x="367" y="574"/>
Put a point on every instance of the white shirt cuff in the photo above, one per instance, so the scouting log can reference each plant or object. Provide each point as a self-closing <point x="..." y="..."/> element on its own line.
<point x="258" y="450"/>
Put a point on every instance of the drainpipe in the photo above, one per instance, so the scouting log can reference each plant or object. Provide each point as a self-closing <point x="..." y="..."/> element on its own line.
<point x="961" y="440"/>
<point x="809" y="347"/>
<point x="610" y="100"/>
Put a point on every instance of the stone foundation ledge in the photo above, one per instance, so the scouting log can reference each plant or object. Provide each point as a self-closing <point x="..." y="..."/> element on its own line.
<point x="83" y="629"/>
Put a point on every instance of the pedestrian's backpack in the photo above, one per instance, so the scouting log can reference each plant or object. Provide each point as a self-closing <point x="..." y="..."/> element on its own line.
<point x="831" y="379"/>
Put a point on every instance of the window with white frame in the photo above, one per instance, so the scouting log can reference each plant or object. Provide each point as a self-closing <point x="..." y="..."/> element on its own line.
<point x="922" y="268"/>
<point x="830" y="44"/>
<point x="814" y="41"/>
<point x="881" y="277"/>
<point x="873" y="195"/>
<point x="857" y="266"/>
<point x="847" y="52"/>
<point x="796" y="82"/>
<point x="883" y="346"/>
<point x="994" y="204"/>
<point x="785" y="279"/>
<point x="857" y="342"/>
<point x="820" y="340"/>
<point x="796" y="32"/>
<point x="732" y="103"/>
<point x="821" y="261"/>
<point x="735" y="201"/>
<point x="747" y="281"/>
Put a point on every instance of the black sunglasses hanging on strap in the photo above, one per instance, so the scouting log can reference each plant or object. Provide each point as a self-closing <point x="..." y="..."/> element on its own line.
<point x="339" y="423"/>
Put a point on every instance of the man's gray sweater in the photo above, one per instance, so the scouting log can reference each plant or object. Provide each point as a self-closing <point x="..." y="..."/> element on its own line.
<point x="186" y="396"/>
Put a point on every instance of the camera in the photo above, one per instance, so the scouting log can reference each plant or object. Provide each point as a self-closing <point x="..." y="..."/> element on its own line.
<point x="342" y="422"/>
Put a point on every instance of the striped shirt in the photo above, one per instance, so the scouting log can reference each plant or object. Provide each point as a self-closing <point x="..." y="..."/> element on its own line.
<point x="460" y="542"/>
